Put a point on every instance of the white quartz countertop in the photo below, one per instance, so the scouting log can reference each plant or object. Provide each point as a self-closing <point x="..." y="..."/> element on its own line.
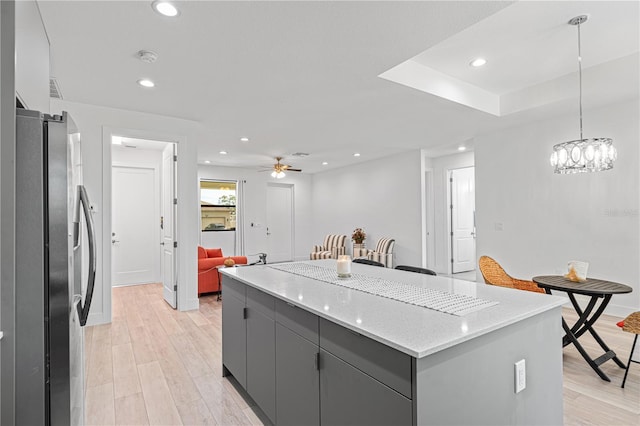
<point x="414" y="330"/>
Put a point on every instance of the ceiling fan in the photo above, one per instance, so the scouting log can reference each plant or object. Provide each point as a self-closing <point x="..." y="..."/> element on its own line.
<point x="279" y="169"/>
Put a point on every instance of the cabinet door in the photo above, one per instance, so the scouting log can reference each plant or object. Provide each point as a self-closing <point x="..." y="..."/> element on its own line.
<point x="234" y="338"/>
<point x="261" y="361"/>
<point x="298" y="384"/>
<point x="350" y="397"/>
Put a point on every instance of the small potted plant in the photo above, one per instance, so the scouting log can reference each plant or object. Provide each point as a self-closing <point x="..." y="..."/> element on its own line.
<point x="358" y="236"/>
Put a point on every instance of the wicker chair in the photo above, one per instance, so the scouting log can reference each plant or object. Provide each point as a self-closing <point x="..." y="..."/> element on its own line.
<point x="331" y="248"/>
<point x="493" y="274"/>
<point x="632" y="325"/>
<point x="383" y="252"/>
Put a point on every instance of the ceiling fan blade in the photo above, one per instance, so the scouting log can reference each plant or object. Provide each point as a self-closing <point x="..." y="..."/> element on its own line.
<point x="294" y="170"/>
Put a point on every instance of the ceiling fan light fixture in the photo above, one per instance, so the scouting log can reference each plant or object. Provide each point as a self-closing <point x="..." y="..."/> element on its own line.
<point x="277" y="175"/>
<point x="582" y="155"/>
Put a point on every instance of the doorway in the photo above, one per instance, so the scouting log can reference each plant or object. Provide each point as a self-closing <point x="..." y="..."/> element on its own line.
<point x="136" y="206"/>
<point x="462" y="226"/>
<point x="280" y="231"/>
<point x="143" y="214"/>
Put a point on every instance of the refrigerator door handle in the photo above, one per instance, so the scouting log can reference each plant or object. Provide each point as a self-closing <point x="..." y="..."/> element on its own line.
<point x="83" y="200"/>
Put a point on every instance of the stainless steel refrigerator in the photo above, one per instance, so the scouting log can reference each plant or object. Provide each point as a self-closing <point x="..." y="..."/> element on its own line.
<point x="54" y="281"/>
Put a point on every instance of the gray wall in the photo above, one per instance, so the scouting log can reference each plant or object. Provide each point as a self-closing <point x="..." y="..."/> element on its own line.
<point x="255" y="199"/>
<point x="549" y="219"/>
<point x="383" y="196"/>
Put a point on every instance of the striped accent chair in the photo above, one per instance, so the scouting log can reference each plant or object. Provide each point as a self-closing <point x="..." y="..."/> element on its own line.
<point x="383" y="252"/>
<point x="332" y="247"/>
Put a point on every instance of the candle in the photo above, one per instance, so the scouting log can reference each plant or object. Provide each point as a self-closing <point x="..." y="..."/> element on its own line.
<point x="344" y="266"/>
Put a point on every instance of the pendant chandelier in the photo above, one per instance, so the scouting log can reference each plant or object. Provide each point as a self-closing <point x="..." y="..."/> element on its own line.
<point x="583" y="155"/>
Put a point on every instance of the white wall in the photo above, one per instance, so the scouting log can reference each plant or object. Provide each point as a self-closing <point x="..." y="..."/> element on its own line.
<point x="96" y="125"/>
<point x="549" y="219"/>
<point x="383" y="196"/>
<point x="131" y="157"/>
<point x="32" y="57"/>
<point x="255" y="199"/>
<point x="440" y="166"/>
<point x="226" y="240"/>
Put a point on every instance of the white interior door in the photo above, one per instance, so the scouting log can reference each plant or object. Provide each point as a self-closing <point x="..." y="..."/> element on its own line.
<point x="463" y="207"/>
<point x="279" y="223"/>
<point x="135" y="201"/>
<point x="168" y="226"/>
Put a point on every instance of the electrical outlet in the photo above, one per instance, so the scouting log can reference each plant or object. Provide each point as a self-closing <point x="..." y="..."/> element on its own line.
<point x="520" y="376"/>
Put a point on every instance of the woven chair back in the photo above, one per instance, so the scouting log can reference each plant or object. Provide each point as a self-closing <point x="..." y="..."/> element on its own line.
<point x="493" y="273"/>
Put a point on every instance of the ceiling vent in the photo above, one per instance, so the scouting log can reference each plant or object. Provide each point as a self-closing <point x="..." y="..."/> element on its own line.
<point x="54" y="89"/>
<point x="300" y="154"/>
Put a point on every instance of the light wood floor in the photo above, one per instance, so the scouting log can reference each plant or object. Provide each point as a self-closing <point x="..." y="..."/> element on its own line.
<point x="154" y="365"/>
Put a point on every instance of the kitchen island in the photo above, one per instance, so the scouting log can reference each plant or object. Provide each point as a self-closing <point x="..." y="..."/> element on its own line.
<point x="313" y="352"/>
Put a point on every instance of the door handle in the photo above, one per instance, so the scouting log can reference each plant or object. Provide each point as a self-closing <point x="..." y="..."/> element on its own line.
<point x="115" y="241"/>
<point x="83" y="311"/>
<point x="162" y="243"/>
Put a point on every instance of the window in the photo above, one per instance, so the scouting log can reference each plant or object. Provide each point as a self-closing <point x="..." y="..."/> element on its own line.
<point x="217" y="205"/>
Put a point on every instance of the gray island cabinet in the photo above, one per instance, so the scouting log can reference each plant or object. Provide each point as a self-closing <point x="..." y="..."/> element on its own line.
<point x="311" y="353"/>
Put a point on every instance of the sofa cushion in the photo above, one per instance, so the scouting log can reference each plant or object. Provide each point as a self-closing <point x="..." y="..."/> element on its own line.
<point x="214" y="252"/>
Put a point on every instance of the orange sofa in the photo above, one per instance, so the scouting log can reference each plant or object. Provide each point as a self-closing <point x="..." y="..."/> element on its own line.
<point x="208" y="259"/>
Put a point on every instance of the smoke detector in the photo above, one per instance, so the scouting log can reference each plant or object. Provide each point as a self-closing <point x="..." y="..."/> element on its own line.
<point x="147" y="56"/>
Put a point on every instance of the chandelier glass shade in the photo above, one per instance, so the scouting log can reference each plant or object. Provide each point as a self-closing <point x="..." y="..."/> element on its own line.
<point x="583" y="155"/>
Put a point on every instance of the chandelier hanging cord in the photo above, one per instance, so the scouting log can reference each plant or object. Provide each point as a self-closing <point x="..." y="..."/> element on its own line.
<point x="582" y="155"/>
<point x="580" y="21"/>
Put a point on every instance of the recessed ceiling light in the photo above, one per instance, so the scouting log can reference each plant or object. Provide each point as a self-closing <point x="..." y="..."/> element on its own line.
<point x="165" y="8"/>
<point x="145" y="82"/>
<point x="223" y="152"/>
<point x="207" y="162"/>
<point x="478" y="62"/>
<point x="244" y="139"/>
<point x="462" y="148"/>
<point x="324" y="163"/>
<point x="357" y="154"/>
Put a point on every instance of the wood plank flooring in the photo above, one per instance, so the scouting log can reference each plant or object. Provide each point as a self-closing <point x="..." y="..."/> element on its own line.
<point x="153" y="365"/>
